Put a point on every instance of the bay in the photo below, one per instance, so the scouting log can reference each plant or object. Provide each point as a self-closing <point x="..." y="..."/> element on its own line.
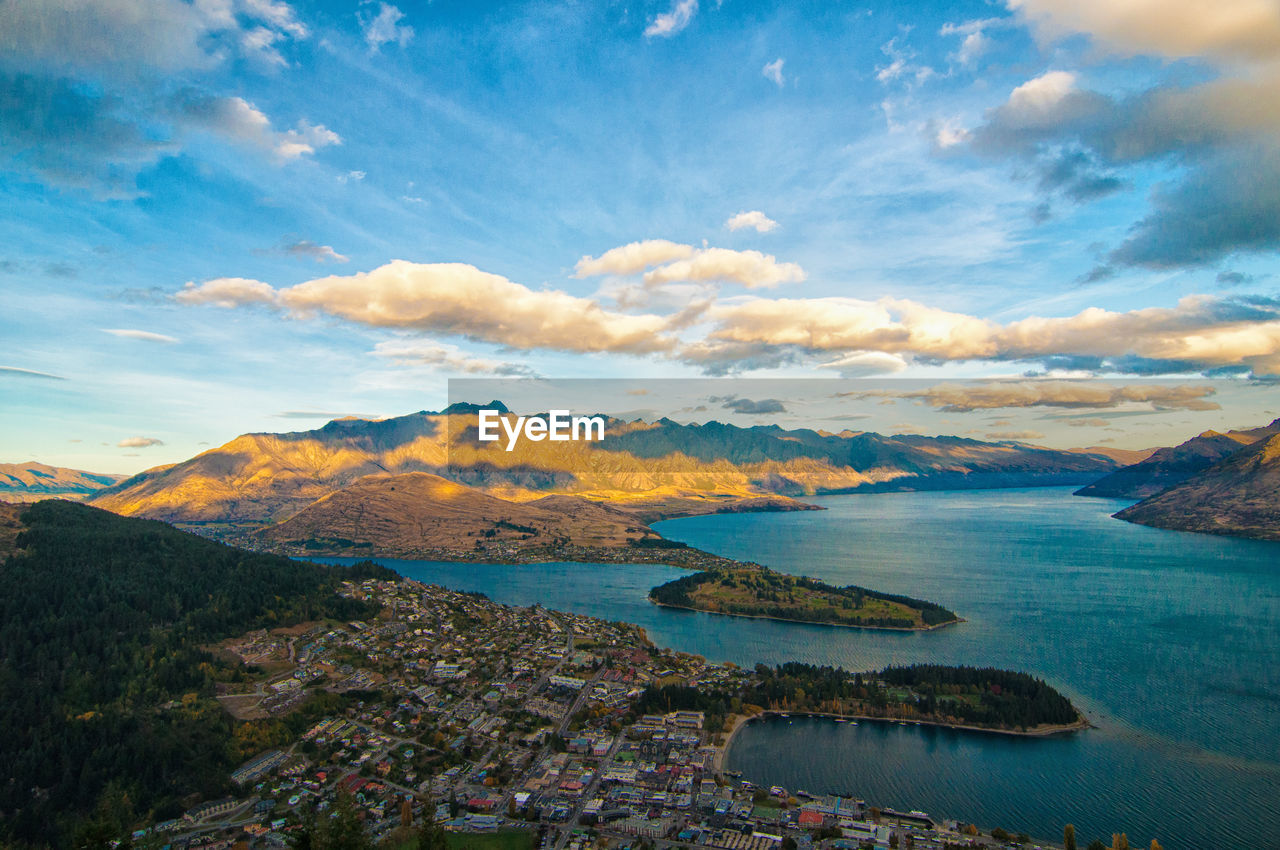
<point x="1167" y="640"/>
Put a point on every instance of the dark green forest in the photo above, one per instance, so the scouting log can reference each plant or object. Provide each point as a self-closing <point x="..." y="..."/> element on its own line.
<point x="105" y="689"/>
<point x="1000" y="699"/>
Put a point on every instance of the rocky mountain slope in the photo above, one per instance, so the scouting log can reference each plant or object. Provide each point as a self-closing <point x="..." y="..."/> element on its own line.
<point x="1239" y="495"/>
<point x="1171" y="466"/>
<point x="661" y="468"/>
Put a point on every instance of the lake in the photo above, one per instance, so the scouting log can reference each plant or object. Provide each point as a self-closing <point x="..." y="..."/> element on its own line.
<point x="1167" y="640"/>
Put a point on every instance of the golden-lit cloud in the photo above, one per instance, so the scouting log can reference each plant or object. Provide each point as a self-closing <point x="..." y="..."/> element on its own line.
<point x="754" y="219"/>
<point x="633" y="258"/>
<point x="453" y="299"/>
<point x="227" y="292"/>
<point x="752" y="269"/>
<point x="1199" y="333"/>
<point x="1228" y="29"/>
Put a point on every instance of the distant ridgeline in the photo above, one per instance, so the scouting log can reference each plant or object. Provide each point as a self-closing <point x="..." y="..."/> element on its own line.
<point x="761" y="592"/>
<point x="1002" y="700"/>
<point x="105" y="691"/>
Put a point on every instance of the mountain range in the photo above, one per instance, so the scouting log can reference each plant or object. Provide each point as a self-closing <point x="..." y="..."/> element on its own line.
<point x="33" y="481"/>
<point x="638" y="473"/>
<point x="1170" y="466"/>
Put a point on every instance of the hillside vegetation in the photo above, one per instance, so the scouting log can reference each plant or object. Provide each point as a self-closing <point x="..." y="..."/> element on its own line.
<point x="105" y="687"/>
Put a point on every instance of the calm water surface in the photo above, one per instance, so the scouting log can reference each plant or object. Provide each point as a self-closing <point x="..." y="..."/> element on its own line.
<point x="1169" y="641"/>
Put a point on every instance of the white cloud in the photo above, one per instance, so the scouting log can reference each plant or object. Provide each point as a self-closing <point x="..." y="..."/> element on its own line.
<point x="357" y="176"/>
<point x="139" y="442"/>
<point x="752" y="269"/>
<point x="632" y="258"/>
<point x="446" y="358"/>
<point x="19" y="372"/>
<point x="901" y="66"/>
<point x="237" y="119"/>
<point x="319" y="253"/>
<point x="975" y="41"/>
<point x="669" y="23"/>
<point x="227" y="292"/>
<point x="146" y="336"/>
<point x="384" y="28"/>
<point x="1199" y="333"/>
<point x="754" y="218"/>
<point x="773" y="71"/>
<point x="1036" y="99"/>
<point x="451" y="298"/>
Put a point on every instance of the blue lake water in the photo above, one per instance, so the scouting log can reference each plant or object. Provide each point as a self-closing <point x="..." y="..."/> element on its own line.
<point x="1169" y="641"/>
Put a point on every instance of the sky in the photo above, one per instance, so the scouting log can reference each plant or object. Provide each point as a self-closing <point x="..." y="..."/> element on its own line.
<point x="223" y="216"/>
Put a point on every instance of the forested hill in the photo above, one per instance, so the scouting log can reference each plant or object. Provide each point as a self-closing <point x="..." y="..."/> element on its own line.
<point x="104" y="687"/>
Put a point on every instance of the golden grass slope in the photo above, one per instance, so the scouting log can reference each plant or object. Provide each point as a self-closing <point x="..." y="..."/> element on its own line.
<point x="416" y="512"/>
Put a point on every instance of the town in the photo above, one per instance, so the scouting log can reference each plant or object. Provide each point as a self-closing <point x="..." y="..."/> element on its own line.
<point x="519" y="727"/>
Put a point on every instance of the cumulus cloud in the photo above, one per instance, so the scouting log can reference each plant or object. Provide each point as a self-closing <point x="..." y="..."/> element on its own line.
<point x="1230" y="30"/>
<point x="145" y="336"/>
<point x="1199" y="333"/>
<point x="450" y="298"/>
<point x="773" y="71"/>
<point x="447" y="358"/>
<point x="1222" y="135"/>
<point x="385" y="28"/>
<point x="227" y="292"/>
<point x="671" y="262"/>
<point x="317" y="252"/>
<point x="139" y="442"/>
<point x="93" y="92"/>
<point x="754" y="219"/>
<point x="752" y="269"/>
<point x="632" y="258"/>
<point x="669" y="23"/>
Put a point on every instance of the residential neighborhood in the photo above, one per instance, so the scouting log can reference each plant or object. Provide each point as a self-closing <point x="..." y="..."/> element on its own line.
<point x="451" y="711"/>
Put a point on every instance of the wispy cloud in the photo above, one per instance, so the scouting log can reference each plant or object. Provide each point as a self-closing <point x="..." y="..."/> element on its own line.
<point x="315" y="251"/>
<point x="139" y="442"/>
<point x="385" y="28"/>
<point x="773" y="71"/>
<point x="669" y="23"/>
<point x="145" y="336"/>
<point x="19" y="372"/>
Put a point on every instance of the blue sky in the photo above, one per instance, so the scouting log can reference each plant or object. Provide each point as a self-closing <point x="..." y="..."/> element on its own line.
<point x="233" y="215"/>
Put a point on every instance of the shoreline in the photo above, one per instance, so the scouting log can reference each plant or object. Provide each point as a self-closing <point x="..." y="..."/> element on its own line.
<point x="1044" y="731"/>
<point x="923" y="628"/>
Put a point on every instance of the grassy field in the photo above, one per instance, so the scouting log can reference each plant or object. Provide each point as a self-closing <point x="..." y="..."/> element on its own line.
<point x="505" y="839"/>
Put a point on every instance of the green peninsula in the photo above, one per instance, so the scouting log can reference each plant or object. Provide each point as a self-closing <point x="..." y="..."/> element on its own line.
<point x="752" y="591"/>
